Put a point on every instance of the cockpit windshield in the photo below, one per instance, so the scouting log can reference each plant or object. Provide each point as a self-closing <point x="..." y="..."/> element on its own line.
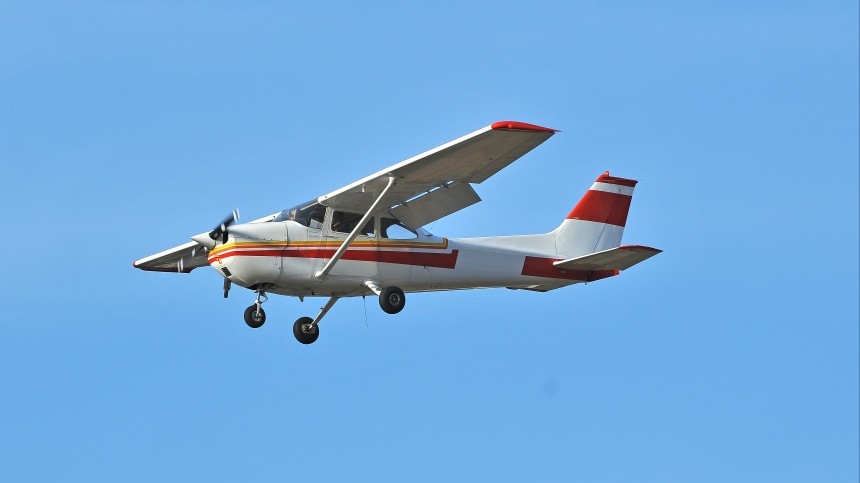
<point x="310" y="214"/>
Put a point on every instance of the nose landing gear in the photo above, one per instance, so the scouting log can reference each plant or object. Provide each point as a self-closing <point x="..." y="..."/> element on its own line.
<point x="255" y="316"/>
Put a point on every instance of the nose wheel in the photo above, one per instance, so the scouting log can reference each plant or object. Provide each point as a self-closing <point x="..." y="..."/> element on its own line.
<point x="255" y="316"/>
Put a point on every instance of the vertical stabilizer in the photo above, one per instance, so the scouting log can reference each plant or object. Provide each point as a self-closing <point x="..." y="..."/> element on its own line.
<point x="597" y="222"/>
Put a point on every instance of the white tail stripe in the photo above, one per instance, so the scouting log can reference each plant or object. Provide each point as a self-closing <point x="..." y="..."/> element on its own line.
<point x="613" y="188"/>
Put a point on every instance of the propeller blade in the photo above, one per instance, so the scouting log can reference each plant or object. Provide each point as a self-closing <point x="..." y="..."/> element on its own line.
<point x="221" y="229"/>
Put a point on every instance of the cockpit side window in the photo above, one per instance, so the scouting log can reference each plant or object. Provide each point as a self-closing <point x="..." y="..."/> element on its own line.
<point x="391" y="228"/>
<point x="310" y="214"/>
<point x="316" y="216"/>
<point x="345" y="222"/>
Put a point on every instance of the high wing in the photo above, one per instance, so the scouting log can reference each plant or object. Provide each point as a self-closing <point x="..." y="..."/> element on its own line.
<point x="618" y="258"/>
<point x="183" y="258"/>
<point x="437" y="183"/>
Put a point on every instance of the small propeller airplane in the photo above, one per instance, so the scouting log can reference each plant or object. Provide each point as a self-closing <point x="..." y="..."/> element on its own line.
<point x="367" y="237"/>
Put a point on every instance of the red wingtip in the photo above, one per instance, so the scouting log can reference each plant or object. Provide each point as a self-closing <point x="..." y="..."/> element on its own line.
<point x="607" y="178"/>
<point x="520" y="126"/>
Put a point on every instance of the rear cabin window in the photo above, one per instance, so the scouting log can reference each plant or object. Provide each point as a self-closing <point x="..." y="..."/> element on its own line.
<point x="391" y="228"/>
<point x="345" y="222"/>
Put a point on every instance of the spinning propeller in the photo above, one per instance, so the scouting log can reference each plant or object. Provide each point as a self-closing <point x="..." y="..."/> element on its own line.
<point x="208" y="240"/>
<point x="221" y="229"/>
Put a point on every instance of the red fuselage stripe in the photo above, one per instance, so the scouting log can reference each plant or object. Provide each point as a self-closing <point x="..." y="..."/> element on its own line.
<point x="435" y="260"/>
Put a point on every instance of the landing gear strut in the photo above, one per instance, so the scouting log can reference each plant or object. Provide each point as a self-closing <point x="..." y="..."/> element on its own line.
<point x="255" y="316"/>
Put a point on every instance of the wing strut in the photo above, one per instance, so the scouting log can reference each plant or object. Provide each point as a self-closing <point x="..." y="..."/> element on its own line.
<point x="322" y="274"/>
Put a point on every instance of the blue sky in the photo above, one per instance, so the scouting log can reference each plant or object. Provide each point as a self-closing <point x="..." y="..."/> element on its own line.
<point x="733" y="356"/>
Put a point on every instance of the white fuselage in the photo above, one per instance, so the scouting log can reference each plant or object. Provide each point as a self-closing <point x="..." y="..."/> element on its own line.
<point x="283" y="258"/>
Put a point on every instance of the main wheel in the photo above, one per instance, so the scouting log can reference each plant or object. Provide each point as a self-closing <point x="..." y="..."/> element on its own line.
<point x="254" y="319"/>
<point x="304" y="332"/>
<point x="392" y="300"/>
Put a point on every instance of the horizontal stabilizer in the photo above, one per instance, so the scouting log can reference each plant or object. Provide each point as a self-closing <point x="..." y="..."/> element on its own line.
<point x="619" y="258"/>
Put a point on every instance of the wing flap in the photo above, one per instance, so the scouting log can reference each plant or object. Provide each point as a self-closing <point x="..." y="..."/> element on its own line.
<point x="436" y="204"/>
<point x="619" y="258"/>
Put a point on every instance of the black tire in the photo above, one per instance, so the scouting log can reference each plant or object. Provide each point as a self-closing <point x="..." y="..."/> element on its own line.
<point x="304" y="335"/>
<point x="392" y="300"/>
<point x="254" y="320"/>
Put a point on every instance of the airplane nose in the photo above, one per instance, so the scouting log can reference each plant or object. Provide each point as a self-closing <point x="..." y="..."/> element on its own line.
<point x="237" y="269"/>
<point x="221" y="260"/>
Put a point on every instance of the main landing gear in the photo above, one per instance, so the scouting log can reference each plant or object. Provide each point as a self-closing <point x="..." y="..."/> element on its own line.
<point x="307" y="330"/>
<point x="392" y="300"/>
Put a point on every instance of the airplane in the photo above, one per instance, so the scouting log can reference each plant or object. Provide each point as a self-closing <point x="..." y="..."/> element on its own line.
<point x="367" y="238"/>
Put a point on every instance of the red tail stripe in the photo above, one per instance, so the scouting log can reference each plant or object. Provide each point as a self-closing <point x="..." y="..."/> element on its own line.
<point x="602" y="207"/>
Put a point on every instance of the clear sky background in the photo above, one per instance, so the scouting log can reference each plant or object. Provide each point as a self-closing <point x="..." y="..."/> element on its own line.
<point x="126" y="127"/>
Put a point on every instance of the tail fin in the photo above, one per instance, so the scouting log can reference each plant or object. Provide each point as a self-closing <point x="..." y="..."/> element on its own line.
<point x="597" y="222"/>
